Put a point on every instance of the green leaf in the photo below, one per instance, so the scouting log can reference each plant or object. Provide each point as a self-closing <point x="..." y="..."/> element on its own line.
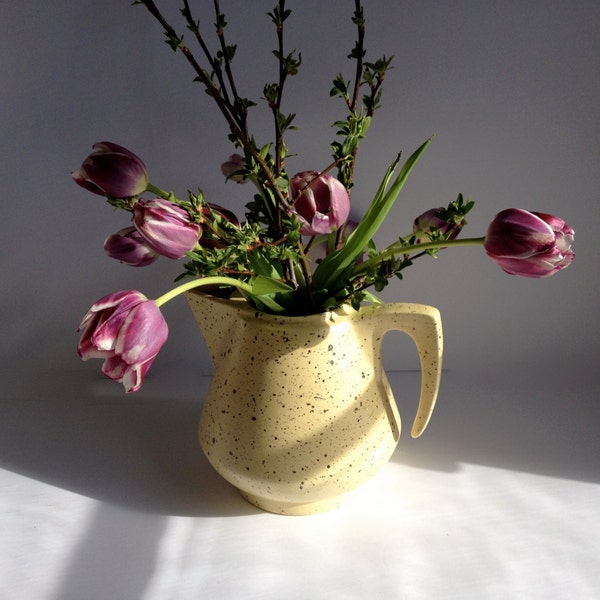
<point x="372" y="298"/>
<point x="264" y="151"/>
<point x="263" y="286"/>
<point x="265" y="303"/>
<point x="333" y="266"/>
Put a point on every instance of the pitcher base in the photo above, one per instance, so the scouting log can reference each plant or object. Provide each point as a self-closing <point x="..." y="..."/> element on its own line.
<point x="294" y="508"/>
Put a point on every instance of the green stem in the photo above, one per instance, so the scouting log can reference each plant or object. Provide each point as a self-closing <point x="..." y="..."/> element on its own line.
<point x="246" y="287"/>
<point x="400" y="248"/>
<point x="160" y="193"/>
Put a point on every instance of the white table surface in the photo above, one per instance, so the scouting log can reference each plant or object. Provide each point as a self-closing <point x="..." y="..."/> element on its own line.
<point x="107" y="496"/>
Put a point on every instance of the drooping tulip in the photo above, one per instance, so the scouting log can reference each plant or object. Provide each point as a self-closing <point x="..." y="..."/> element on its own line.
<point x="112" y="170"/>
<point x="530" y="244"/>
<point x="126" y="330"/>
<point x="321" y="202"/>
<point x="165" y="227"/>
<point x="129" y="247"/>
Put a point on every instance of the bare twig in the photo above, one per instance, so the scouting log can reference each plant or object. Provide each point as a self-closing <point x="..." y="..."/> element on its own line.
<point x="359" y="49"/>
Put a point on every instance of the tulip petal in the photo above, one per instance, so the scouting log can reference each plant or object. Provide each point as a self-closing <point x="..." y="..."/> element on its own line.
<point x="165" y="227"/>
<point x="518" y="233"/>
<point x="134" y="376"/>
<point x="128" y="246"/>
<point x="142" y="334"/>
<point x="320" y="224"/>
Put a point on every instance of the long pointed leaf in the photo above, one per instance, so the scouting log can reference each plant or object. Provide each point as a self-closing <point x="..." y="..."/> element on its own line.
<point x="332" y="267"/>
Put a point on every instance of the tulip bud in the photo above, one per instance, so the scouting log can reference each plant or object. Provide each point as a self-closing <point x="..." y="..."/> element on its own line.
<point x="223" y="212"/>
<point x="111" y="170"/>
<point x="529" y="244"/>
<point x="209" y="239"/>
<point x="126" y="330"/>
<point x="231" y="168"/>
<point x="431" y="221"/>
<point x="321" y="202"/>
<point x="128" y="246"/>
<point x="165" y="227"/>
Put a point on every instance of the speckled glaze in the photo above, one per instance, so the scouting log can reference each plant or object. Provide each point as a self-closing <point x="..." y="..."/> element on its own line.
<point x="299" y="411"/>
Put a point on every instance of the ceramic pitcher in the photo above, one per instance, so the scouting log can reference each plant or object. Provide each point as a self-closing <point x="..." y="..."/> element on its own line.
<point x="299" y="411"/>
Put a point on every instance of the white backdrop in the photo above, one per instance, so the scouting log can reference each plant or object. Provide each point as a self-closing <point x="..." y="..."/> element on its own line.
<point x="511" y="92"/>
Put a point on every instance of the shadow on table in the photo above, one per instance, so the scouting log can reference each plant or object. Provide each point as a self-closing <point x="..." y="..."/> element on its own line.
<point x="531" y="420"/>
<point x="80" y="432"/>
<point x="140" y="450"/>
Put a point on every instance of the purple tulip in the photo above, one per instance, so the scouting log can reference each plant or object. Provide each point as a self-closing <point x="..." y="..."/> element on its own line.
<point x="165" y="227"/>
<point x="129" y="247"/>
<point x="126" y="330"/>
<point x="111" y="170"/>
<point x="231" y="167"/>
<point x="321" y="202"/>
<point x="530" y="244"/>
<point x="429" y="220"/>
<point x="319" y="251"/>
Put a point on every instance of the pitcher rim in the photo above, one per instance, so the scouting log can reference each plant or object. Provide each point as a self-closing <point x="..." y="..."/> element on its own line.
<point x="330" y="316"/>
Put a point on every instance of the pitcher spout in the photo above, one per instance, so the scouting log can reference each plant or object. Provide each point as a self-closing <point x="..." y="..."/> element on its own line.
<point x="217" y="319"/>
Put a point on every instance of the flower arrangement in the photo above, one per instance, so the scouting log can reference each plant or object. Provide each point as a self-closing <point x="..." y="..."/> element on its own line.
<point x="296" y="252"/>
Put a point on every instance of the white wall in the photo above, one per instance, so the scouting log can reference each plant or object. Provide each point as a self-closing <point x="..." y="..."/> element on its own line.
<point x="510" y="89"/>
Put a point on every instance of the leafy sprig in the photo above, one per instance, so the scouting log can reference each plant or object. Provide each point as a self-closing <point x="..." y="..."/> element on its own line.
<point x="266" y="253"/>
<point x="354" y="128"/>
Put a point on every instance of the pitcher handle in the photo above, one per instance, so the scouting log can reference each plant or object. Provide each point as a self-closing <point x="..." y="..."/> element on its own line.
<point x="424" y="325"/>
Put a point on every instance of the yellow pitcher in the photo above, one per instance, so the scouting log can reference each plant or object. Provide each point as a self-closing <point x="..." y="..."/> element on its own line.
<point x="299" y="411"/>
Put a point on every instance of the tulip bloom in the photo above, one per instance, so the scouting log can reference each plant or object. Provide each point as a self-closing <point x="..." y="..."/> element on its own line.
<point x="530" y="244"/>
<point x="165" y="227"/>
<point x="321" y="202"/>
<point x="429" y="221"/>
<point x="128" y="246"/>
<point x="126" y="330"/>
<point x="231" y="167"/>
<point x="111" y="170"/>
